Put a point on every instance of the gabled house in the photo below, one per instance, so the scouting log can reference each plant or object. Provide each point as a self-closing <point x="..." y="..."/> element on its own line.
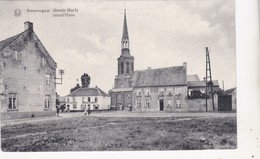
<point x="87" y="98"/>
<point x="27" y="76"/>
<point x="160" y="89"/>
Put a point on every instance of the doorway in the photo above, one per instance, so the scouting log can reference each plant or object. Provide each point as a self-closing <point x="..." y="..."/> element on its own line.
<point x="161" y="104"/>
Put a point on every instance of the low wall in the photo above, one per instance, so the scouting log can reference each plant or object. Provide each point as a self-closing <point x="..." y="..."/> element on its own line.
<point x="199" y="105"/>
<point x="20" y="115"/>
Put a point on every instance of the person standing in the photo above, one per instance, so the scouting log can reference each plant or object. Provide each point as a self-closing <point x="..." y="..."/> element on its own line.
<point x="88" y="110"/>
<point x="57" y="109"/>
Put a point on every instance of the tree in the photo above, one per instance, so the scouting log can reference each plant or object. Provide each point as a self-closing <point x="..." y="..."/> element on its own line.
<point x="85" y="80"/>
<point x="75" y="88"/>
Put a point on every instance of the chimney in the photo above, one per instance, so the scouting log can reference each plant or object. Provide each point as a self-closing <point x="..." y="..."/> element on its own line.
<point x="185" y="65"/>
<point x="28" y="25"/>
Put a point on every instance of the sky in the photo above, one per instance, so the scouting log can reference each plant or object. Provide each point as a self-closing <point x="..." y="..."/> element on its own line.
<point x="162" y="34"/>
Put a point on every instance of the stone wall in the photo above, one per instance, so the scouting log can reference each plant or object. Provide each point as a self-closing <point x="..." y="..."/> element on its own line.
<point x="199" y="105"/>
<point x="25" y="76"/>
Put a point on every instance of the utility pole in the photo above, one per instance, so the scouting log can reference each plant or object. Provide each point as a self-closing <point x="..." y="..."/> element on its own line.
<point x="209" y="83"/>
<point x="223" y="85"/>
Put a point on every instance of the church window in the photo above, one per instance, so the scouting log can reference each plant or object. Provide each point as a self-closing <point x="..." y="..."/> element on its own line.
<point x="127" y="67"/>
<point x="122" y="68"/>
<point x="132" y="66"/>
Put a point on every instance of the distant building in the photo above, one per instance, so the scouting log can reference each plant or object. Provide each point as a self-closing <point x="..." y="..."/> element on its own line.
<point x="27" y="76"/>
<point x="233" y="93"/>
<point x="150" y="90"/>
<point x="87" y="98"/>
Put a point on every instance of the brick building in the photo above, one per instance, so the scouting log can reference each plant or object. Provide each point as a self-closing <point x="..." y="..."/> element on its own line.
<point x="28" y="76"/>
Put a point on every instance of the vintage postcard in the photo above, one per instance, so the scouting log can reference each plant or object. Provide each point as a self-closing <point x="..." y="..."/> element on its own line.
<point x="124" y="76"/>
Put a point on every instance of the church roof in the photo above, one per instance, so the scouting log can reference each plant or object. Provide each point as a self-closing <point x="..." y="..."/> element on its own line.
<point x="125" y="30"/>
<point x="169" y="76"/>
<point x="88" y="92"/>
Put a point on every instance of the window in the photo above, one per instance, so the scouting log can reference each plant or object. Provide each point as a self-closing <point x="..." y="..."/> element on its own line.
<point x="43" y="61"/>
<point x="68" y="99"/>
<point x="138" y="93"/>
<point x="138" y="103"/>
<point x="17" y="55"/>
<point x="96" y="107"/>
<point x="88" y="99"/>
<point x="169" y="91"/>
<point x="127" y="67"/>
<point x="132" y="66"/>
<point x="47" y="79"/>
<point x="178" y="103"/>
<point x="122" y="68"/>
<point x="96" y="99"/>
<point x="74" y="106"/>
<point x="177" y="91"/>
<point x="47" y="101"/>
<point x="147" y="103"/>
<point x="12" y="102"/>
<point x="169" y="103"/>
<point x="161" y="91"/>
<point x="147" y="92"/>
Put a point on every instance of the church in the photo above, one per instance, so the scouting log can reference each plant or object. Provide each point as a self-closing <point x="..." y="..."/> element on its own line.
<point x="161" y="89"/>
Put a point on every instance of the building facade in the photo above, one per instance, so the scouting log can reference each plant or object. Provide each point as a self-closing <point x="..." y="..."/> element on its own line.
<point x="147" y="90"/>
<point x="87" y="98"/>
<point x="28" y="76"/>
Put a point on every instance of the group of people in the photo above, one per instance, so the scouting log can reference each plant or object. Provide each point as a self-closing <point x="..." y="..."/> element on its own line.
<point x="86" y="111"/>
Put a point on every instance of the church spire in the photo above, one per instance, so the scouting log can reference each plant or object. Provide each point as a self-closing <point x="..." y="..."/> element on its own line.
<point x="125" y="37"/>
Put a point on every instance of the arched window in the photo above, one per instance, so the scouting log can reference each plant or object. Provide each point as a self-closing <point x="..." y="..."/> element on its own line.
<point x="132" y="66"/>
<point x="127" y="67"/>
<point x="122" y="68"/>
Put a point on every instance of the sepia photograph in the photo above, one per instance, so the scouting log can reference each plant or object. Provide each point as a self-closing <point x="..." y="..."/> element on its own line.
<point x="118" y="76"/>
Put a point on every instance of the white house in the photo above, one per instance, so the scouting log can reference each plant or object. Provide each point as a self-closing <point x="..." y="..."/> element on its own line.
<point x="88" y="98"/>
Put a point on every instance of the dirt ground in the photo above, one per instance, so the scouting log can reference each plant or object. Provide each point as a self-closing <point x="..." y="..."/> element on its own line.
<point x="115" y="131"/>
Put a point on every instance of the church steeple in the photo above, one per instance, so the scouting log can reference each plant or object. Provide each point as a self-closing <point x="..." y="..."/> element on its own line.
<point x="125" y="61"/>
<point x="125" y="36"/>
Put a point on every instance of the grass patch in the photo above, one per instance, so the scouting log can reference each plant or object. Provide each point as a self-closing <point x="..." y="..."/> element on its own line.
<point x="119" y="134"/>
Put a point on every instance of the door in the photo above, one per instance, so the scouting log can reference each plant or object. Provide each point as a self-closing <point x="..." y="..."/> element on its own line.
<point x="161" y="104"/>
<point x="225" y="103"/>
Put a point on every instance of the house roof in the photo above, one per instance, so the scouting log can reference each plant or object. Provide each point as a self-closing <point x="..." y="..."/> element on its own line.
<point x="229" y="91"/>
<point x="193" y="77"/>
<point x="160" y="77"/>
<point x="6" y="42"/>
<point x="88" y="92"/>
<point x="201" y="83"/>
<point x="18" y="39"/>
